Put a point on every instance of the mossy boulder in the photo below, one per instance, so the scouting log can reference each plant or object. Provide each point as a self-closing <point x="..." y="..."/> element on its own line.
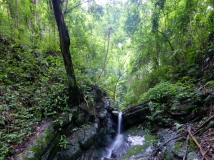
<point x="77" y="142"/>
<point x="86" y="136"/>
<point x="44" y="140"/>
<point x="72" y="151"/>
<point x="178" y="149"/>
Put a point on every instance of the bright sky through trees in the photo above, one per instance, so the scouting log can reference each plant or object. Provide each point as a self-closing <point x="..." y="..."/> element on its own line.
<point x="103" y="2"/>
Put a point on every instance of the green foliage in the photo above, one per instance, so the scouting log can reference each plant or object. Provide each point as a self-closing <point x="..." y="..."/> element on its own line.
<point x="63" y="142"/>
<point x="32" y="87"/>
<point x="192" y="145"/>
<point x="158" y="50"/>
<point x="163" y="92"/>
<point x="177" y="147"/>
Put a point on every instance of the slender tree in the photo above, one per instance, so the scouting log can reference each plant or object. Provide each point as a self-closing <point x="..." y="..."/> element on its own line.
<point x="106" y="56"/>
<point x="74" y="92"/>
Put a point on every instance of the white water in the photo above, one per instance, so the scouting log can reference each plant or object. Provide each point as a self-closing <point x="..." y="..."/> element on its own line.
<point x="118" y="140"/>
<point x="119" y="122"/>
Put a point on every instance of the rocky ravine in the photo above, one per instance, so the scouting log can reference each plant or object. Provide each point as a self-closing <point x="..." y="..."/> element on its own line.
<point x="91" y="128"/>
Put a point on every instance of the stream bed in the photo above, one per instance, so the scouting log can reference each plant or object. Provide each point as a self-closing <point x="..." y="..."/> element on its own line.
<point x="133" y="144"/>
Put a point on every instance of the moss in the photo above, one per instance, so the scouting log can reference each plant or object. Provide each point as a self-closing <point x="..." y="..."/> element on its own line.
<point x="38" y="147"/>
<point x="133" y="151"/>
<point x="177" y="146"/>
<point x="149" y="137"/>
<point x="192" y="145"/>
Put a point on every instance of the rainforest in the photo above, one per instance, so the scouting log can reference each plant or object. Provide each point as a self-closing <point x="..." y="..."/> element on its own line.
<point x="106" y="79"/>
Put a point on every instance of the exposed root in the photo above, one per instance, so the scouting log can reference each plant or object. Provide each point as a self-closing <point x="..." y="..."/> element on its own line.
<point x="196" y="142"/>
<point x="207" y="121"/>
<point x="175" y="137"/>
<point x="186" y="149"/>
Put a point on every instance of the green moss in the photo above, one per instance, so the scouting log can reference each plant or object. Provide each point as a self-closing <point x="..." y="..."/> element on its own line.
<point x="41" y="143"/>
<point x="133" y="131"/>
<point x="177" y="146"/>
<point x="149" y="137"/>
<point x="192" y="145"/>
<point x="133" y="151"/>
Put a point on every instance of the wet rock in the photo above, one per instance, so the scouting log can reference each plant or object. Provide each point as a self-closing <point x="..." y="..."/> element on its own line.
<point x="164" y="135"/>
<point x="115" y="112"/>
<point x="72" y="152"/>
<point x="78" y="141"/>
<point x="98" y="105"/>
<point x="46" y="141"/>
<point x="136" y="114"/>
<point x="192" y="155"/>
<point x="82" y="141"/>
<point x="86" y="136"/>
<point x="121" y="149"/>
<point x="102" y="113"/>
<point x="140" y="144"/>
<point x="178" y="150"/>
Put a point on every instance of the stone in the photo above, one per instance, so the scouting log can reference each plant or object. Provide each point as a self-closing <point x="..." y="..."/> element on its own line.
<point x="102" y="113"/>
<point x="192" y="155"/>
<point x="135" y="114"/>
<point x="72" y="152"/>
<point x="37" y="148"/>
<point x="86" y="136"/>
<point x="115" y="112"/>
<point x="80" y="140"/>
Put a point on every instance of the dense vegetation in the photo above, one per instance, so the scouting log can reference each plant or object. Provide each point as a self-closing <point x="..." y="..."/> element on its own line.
<point x="135" y="50"/>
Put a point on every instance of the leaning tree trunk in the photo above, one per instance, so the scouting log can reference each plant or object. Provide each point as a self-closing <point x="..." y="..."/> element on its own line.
<point x="74" y="92"/>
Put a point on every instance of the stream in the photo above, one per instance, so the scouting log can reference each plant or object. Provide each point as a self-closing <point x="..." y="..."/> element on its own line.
<point x="133" y="144"/>
<point x="118" y="139"/>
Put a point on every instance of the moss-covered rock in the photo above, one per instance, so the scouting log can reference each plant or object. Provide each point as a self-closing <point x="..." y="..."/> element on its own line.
<point x="133" y="150"/>
<point x="86" y="136"/>
<point x="78" y="141"/>
<point x="36" y="150"/>
<point x="72" y="151"/>
<point x="178" y="149"/>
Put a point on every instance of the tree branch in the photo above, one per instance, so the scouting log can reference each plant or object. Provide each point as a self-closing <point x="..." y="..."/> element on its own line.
<point x="175" y="137"/>
<point x="167" y="40"/>
<point x="196" y="142"/>
<point x="104" y="65"/>
<point x="66" y="6"/>
<point x="184" y="158"/>
<point x="79" y="4"/>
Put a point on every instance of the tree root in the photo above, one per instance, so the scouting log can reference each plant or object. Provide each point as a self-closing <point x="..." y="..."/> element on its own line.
<point x="190" y="134"/>
<point x="207" y="121"/>
<point x="196" y="142"/>
<point x="175" y="137"/>
<point x="186" y="149"/>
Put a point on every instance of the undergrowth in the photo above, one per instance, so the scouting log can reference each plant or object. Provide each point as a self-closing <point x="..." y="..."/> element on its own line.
<point x="32" y="86"/>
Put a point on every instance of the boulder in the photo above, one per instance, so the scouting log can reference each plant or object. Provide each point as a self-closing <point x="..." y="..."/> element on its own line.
<point x="38" y="149"/>
<point x="86" y="136"/>
<point x="135" y="114"/>
<point x="102" y="113"/>
<point x="77" y="142"/>
<point x="72" y="152"/>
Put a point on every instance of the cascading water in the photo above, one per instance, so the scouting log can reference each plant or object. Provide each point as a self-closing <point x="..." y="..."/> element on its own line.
<point x="119" y="122"/>
<point x="118" y="140"/>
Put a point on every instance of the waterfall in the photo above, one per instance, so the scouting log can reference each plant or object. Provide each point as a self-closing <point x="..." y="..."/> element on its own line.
<point x="118" y="140"/>
<point x="119" y="122"/>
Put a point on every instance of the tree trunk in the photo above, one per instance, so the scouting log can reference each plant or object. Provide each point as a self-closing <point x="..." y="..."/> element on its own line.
<point x="74" y="92"/>
<point x="104" y="65"/>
